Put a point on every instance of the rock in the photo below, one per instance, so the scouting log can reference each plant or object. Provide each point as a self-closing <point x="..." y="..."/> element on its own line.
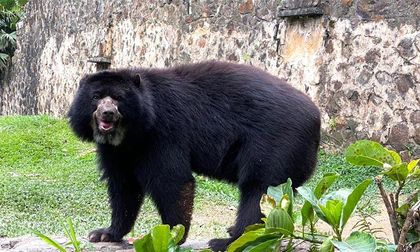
<point x="399" y="136"/>
<point x="406" y="49"/>
<point x="404" y="82"/>
<point x="364" y="77"/>
<point x="417" y="135"/>
<point x="26" y="244"/>
<point x="34" y="244"/>
<point x="375" y="99"/>
<point x="196" y="245"/>
<point x="415" y="117"/>
<point x="372" y="57"/>
<point x="416" y="152"/>
<point x="352" y="95"/>
<point x="384" y="78"/>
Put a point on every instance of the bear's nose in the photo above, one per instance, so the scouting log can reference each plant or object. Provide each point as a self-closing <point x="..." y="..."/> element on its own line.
<point x="108" y="114"/>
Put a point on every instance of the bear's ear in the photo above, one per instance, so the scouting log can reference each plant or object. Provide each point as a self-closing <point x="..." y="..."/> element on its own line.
<point x="137" y="80"/>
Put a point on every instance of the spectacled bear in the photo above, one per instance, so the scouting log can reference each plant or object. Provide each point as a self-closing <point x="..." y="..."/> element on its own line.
<point x="154" y="127"/>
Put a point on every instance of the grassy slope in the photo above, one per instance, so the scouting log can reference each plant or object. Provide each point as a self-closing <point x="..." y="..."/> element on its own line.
<point x="47" y="175"/>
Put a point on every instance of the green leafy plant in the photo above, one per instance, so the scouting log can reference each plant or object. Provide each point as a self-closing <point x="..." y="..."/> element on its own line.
<point x="10" y="14"/>
<point x="369" y="153"/>
<point x="162" y="239"/>
<point x="362" y="242"/>
<point x="69" y="232"/>
<point x="335" y="208"/>
<point x="307" y="212"/>
<point x="278" y="229"/>
<point x="277" y="205"/>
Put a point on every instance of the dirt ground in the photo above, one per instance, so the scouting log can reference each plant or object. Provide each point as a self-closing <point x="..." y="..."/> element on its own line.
<point x="209" y="221"/>
<point x="213" y="220"/>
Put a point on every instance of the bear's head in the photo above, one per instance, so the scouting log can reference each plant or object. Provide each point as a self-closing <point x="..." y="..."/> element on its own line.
<point x="111" y="106"/>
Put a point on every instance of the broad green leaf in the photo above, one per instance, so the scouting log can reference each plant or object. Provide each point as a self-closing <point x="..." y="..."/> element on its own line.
<point x="384" y="246"/>
<point x="49" y="241"/>
<point x="266" y="246"/>
<point x="395" y="156"/>
<point x="309" y="196"/>
<point x="275" y="192"/>
<point x="322" y="186"/>
<point x="254" y="227"/>
<point x="307" y="213"/>
<point x="368" y="153"/>
<point x="249" y="238"/>
<point x="341" y="194"/>
<point x="352" y="201"/>
<point x="144" y="244"/>
<point x="285" y="203"/>
<point x="288" y="190"/>
<point x="414" y="169"/>
<point x="279" y="191"/>
<point x="281" y="220"/>
<point x="177" y="233"/>
<point x="333" y="210"/>
<point x="161" y="236"/>
<point x="412" y="165"/>
<point x="331" y="205"/>
<point x="398" y="172"/>
<point x="246" y="238"/>
<point x="415" y="173"/>
<point x="403" y="210"/>
<point x="357" y="242"/>
<point x="327" y="245"/>
<point x="267" y="203"/>
<point x="325" y="183"/>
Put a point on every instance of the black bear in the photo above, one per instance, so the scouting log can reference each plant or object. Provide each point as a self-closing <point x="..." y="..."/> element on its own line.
<point x="155" y="127"/>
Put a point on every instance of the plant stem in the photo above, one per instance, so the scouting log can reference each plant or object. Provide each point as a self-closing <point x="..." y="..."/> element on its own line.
<point x="306" y="239"/>
<point x="391" y="213"/>
<point x="397" y="194"/>
<point x="312" y="229"/>
<point x="338" y="232"/>
<point x="392" y="201"/>
<point x="407" y="225"/>
<point x="313" y="234"/>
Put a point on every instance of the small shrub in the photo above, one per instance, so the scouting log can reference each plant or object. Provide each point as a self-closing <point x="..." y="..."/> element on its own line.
<point x="406" y="230"/>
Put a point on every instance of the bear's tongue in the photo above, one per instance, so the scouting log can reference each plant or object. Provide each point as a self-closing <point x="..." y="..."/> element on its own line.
<point x="105" y="125"/>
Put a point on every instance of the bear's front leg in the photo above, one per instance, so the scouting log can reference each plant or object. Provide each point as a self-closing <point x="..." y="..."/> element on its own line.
<point x="126" y="197"/>
<point x="174" y="201"/>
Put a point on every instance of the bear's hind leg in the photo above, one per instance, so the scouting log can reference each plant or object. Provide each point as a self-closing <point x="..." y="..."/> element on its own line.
<point x="248" y="213"/>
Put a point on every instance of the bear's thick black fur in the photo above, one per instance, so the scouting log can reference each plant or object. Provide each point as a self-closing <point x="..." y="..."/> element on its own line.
<point x="154" y="127"/>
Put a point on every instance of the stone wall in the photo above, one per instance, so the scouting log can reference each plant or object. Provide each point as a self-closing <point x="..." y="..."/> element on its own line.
<point x="359" y="61"/>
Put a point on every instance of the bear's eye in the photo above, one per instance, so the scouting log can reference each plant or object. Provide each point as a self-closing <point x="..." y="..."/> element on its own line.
<point x="95" y="97"/>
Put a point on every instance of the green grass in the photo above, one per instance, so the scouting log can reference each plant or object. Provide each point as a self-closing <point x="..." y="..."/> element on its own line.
<point x="47" y="175"/>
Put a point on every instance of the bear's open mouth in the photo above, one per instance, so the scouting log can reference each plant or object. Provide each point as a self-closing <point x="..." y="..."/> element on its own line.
<point x="106" y="126"/>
